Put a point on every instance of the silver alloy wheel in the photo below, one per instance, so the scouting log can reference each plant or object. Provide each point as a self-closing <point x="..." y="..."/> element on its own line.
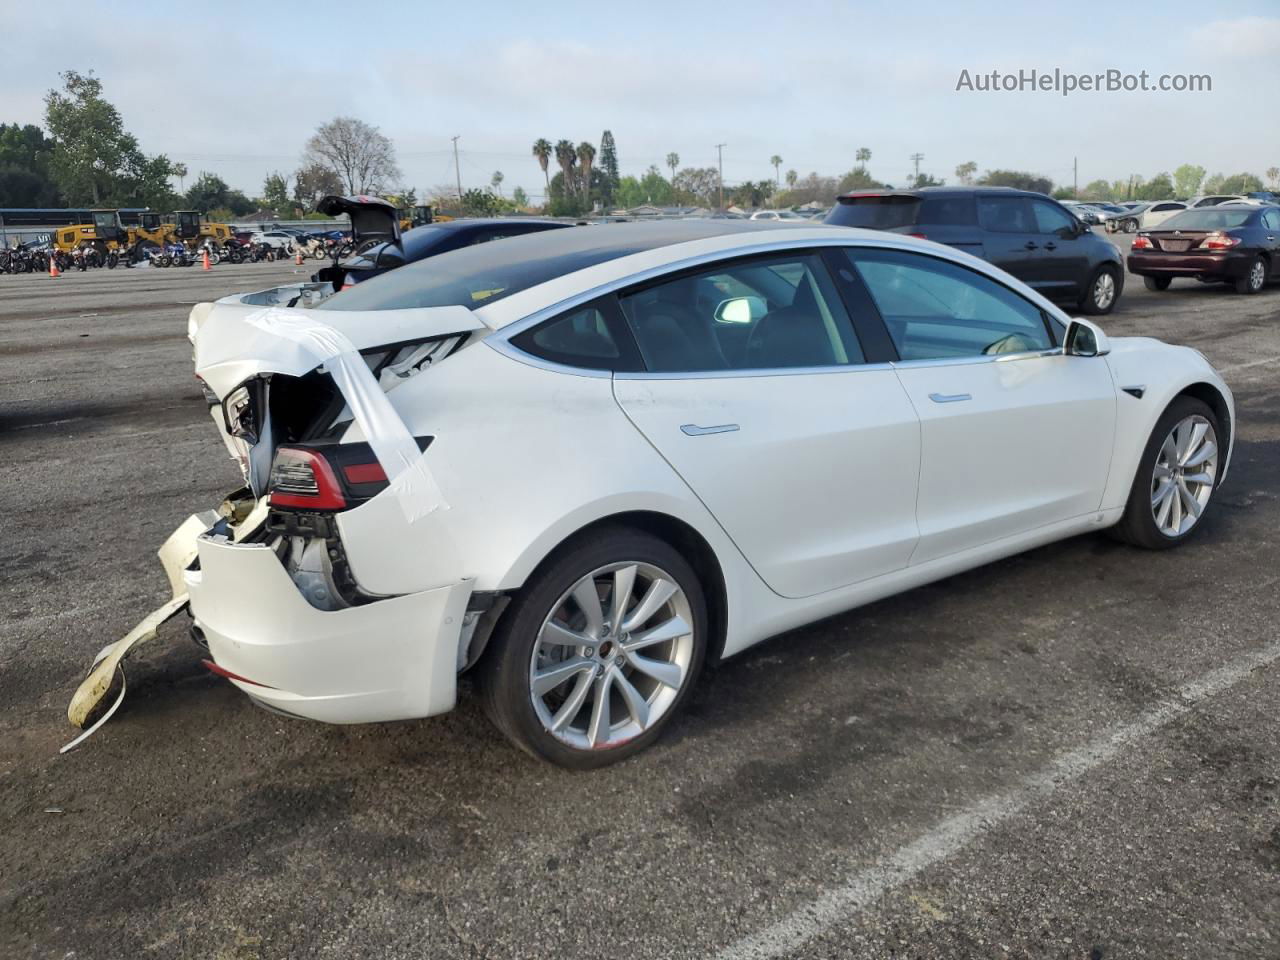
<point x="1183" y="477"/>
<point x="1104" y="290"/>
<point x="1257" y="275"/>
<point x="612" y="656"/>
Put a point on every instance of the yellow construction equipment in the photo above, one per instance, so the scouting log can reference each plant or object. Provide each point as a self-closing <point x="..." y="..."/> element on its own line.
<point x="105" y="233"/>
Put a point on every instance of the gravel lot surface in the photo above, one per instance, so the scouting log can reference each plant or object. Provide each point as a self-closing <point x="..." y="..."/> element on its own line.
<point x="1072" y="753"/>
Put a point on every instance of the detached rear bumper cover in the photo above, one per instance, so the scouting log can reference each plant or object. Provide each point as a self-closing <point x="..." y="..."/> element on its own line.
<point x="393" y="659"/>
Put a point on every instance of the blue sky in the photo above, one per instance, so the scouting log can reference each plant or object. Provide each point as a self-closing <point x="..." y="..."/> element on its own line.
<point x="811" y="81"/>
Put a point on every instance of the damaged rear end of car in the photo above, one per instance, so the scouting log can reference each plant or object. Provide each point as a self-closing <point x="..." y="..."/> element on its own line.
<point x="306" y="409"/>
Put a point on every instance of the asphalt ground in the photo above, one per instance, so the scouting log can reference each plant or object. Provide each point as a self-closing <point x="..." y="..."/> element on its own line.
<point x="1071" y="753"/>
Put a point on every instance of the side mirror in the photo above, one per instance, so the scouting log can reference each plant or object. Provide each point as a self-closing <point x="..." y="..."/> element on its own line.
<point x="1085" y="339"/>
<point x="741" y="310"/>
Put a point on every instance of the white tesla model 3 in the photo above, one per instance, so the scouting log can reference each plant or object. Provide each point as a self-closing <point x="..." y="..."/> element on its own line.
<point x="584" y="462"/>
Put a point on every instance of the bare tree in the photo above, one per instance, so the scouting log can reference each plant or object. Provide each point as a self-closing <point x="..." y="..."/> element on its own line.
<point x="358" y="153"/>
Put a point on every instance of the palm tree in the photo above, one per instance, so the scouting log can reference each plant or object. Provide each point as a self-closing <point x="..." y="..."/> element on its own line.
<point x="566" y="156"/>
<point x="776" y="162"/>
<point x="179" y="170"/>
<point x="542" y="150"/>
<point x="673" y="161"/>
<point x="792" y="177"/>
<point x="496" y="181"/>
<point x="586" y="157"/>
<point x="863" y="155"/>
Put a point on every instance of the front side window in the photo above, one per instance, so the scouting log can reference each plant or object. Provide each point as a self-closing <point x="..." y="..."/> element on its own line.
<point x="939" y="310"/>
<point x="1053" y="219"/>
<point x="758" y="314"/>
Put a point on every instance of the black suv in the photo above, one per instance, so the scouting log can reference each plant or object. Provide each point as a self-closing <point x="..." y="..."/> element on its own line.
<point x="1026" y="234"/>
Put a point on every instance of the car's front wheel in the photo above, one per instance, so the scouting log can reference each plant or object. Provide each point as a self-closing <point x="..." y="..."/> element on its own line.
<point x="598" y="651"/>
<point x="1176" y="479"/>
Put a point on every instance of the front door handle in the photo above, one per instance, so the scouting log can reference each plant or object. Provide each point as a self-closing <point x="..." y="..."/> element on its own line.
<point x="693" y="430"/>
<point x="949" y="397"/>
<point x="1051" y="246"/>
<point x="1031" y="245"/>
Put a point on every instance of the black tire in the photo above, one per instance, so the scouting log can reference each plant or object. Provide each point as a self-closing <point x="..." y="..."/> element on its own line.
<point x="1131" y="226"/>
<point x="1094" y="301"/>
<point x="1137" y="526"/>
<point x="503" y="675"/>
<point x="1255" y="279"/>
<point x="1157" y="283"/>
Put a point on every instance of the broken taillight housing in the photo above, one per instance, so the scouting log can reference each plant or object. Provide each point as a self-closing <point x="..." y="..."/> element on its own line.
<point x="303" y="478"/>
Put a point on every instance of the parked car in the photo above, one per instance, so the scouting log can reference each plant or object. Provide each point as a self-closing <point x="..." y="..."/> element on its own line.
<point x="1029" y="235"/>
<point x="379" y="246"/>
<point x="1227" y="243"/>
<point x="1213" y="200"/>
<point x="1084" y="211"/>
<point x="1266" y="196"/>
<point x="278" y="239"/>
<point x="583" y="463"/>
<point x="776" y="215"/>
<point x="1147" y="214"/>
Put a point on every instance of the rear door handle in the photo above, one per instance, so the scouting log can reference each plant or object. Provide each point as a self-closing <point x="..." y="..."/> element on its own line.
<point x="693" y="430"/>
<point x="1031" y="245"/>
<point x="949" y="397"/>
<point x="1051" y="246"/>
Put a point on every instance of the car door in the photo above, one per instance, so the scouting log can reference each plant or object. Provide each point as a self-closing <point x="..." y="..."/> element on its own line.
<point x="1015" y="434"/>
<point x="1271" y="236"/>
<point x="805" y="453"/>
<point x="1064" y="261"/>
<point x="1010" y="237"/>
<point x="1161" y="212"/>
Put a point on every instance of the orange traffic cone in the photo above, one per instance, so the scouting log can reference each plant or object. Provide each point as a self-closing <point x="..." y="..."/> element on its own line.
<point x="53" y="267"/>
<point x="206" y="260"/>
<point x="298" y="258"/>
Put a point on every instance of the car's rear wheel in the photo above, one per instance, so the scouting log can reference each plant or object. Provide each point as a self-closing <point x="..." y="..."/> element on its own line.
<point x="1100" y="296"/>
<point x="1176" y="479"/>
<point x="1131" y="226"/>
<point x="1156" y="283"/>
<point x="1255" y="279"/>
<point x="598" y="651"/>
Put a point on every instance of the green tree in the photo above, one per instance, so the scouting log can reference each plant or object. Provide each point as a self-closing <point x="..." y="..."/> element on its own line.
<point x="94" y="161"/>
<point x="856" y="179"/>
<point x="312" y="183"/>
<point x="542" y="151"/>
<point x="496" y="182"/>
<point x="929" y="180"/>
<point x="586" y="158"/>
<point x="1159" y="187"/>
<point x="180" y="171"/>
<point x="656" y="188"/>
<point x="608" y="167"/>
<point x="519" y="198"/>
<point x="566" y="157"/>
<point x="673" y="161"/>
<point x="565" y="201"/>
<point x="1187" y="179"/>
<point x="275" y="193"/>
<point x="863" y="156"/>
<point x="965" y="172"/>
<point x="210" y="193"/>
<point x="479" y="203"/>
<point x="1097" y="190"/>
<point x="776" y="162"/>
<point x="1241" y="183"/>
<point x="25" y="180"/>
<point x="1213" y="184"/>
<point x="1017" y="179"/>
<point x="792" y="177"/>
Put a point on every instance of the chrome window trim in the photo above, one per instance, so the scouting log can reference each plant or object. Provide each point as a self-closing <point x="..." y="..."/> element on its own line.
<point x="979" y="358"/>
<point x="500" y="338"/>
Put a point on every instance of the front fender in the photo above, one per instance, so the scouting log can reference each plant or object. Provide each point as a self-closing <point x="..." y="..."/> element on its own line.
<point x="1163" y="372"/>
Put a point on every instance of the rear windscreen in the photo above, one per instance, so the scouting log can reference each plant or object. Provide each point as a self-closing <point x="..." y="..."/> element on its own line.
<point x="1209" y="218"/>
<point x="877" y="212"/>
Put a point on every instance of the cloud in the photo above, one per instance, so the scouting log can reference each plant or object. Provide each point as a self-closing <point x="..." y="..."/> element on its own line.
<point x="1239" y="38"/>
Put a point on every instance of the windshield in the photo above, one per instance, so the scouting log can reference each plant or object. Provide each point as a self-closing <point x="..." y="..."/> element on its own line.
<point x="1210" y="218"/>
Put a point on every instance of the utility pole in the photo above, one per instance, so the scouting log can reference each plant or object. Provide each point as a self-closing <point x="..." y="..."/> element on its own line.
<point x="916" y="158"/>
<point x="457" y="169"/>
<point x="1075" y="177"/>
<point x="720" y="161"/>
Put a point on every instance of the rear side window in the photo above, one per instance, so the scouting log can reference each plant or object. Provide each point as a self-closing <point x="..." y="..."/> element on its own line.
<point x="875" y="212"/>
<point x="1006" y="215"/>
<point x="957" y="211"/>
<point x="584" y="337"/>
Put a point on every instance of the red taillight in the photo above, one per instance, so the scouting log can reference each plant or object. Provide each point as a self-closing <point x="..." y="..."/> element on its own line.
<point x="1219" y="241"/>
<point x="303" y="478"/>
<point x="365" y="473"/>
<point x="1141" y="243"/>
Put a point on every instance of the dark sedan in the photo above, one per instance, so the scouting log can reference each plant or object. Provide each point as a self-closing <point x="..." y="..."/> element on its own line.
<point x="1223" y="244"/>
